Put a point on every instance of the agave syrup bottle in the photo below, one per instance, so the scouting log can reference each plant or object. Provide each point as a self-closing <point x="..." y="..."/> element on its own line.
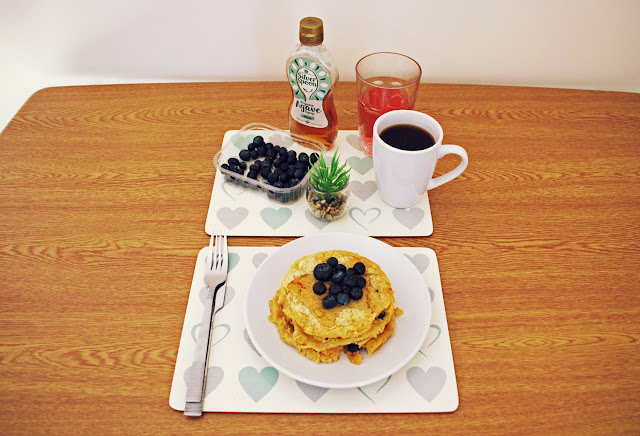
<point x="312" y="75"/>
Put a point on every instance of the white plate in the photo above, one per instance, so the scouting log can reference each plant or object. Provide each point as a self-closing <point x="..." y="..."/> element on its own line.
<point x="411" y="295"/>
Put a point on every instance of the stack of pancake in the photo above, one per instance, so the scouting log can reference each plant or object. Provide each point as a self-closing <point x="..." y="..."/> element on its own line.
<point x="321" y="334"/>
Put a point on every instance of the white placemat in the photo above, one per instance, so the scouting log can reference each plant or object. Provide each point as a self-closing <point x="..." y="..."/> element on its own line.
<point x="240" y="211"/>
<point x="240" y="380"/>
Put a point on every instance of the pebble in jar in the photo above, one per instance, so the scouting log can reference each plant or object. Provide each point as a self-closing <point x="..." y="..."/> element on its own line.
<point x="312" y="75"/>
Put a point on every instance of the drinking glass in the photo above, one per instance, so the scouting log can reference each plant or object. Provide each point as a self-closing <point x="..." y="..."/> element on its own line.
<point x="386" y="81"/>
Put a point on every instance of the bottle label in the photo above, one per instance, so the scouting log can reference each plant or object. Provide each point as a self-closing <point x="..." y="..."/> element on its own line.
<point x="310" y="83"/>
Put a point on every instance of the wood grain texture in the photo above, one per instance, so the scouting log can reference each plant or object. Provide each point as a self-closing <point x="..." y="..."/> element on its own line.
<point x="103" y="197"/>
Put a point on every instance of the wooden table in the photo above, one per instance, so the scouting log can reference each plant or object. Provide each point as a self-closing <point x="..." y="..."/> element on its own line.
<point x="103" y="198"/>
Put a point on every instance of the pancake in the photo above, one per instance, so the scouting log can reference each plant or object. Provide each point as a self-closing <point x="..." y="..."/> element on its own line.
<point x="321" y="334"/>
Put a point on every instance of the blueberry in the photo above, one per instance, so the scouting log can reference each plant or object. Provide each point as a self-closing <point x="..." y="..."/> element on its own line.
<point x="343" y="298"/>
<point x="291" y="160"/>
<point x="224" y="166"/>
<point x="299" y="165"/>
<point x="329" y="302"/>
<point x="254" y="167"/>
<point x="251" y="146"/>
<point x="352" y="348"/>
<point x="258" y="140"/>
<point x="359" y="267"/>
<point x="253" y="175"/>
<point x="254" y="154"/>
<point x="264" y="172"/>
<point x="322" y="272"/>
<point x="341" y="267"/>
<point x="266" y="163"/>
<point x="355" y="293"/>
<point x="277" y="171"/>
<point x="258" y="162"/>
<point x="319" y="288"/>
<point x="351" y="271"/>
<point x="277" y="162"/>
<point x="283" y="151"/>
<point x="304" y="158"/>
<point x="242" y="166"/>
<point x="335" y="289"/>
<point x="298" y="174"/>
<point x="284" y="177"/>
<point x="268" y="145"/>
<point x="313" y="158"/>
<point x="284" y="166"/>
<point x="272" y="178"/>
<point x="382" y="315"/>
<point x="332" y="262"/>
<point x="233" y="168"/>
<point x="233" y="161"/>
<point x="293" y="181"/>
<point x="262" y="151"/>
<point x="245" y="155"/>
<point x="338" y="276"/>
<point x="272" y="153"/>
<point x="349" y="281"/>
<point x="361" y="282"/>
<point x="291" y="171"/>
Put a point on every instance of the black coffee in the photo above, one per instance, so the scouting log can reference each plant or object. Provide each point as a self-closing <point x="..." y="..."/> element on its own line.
<point x="407" y="137"/>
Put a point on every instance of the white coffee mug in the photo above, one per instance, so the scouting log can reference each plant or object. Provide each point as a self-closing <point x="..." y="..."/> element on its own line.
<point x="403" y="176"/>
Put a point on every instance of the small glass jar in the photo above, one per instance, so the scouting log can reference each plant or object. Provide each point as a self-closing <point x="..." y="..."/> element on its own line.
<point x="327" y="205"/>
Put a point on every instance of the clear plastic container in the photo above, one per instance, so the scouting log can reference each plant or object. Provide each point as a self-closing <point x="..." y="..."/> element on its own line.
<point x="240" y="140"/>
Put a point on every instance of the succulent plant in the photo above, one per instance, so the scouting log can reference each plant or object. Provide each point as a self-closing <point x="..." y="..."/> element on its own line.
<point x="329" y="178"/>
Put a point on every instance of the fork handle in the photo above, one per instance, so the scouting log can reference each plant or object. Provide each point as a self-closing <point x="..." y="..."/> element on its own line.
<point x="198" y="375"/>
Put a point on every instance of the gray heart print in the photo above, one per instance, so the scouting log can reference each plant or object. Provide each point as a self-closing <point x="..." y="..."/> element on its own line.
<point x="231" y="218"/>
<point x="428" y="384"/>
<point x="409" y="217"/>
<point x="363" y="190"/>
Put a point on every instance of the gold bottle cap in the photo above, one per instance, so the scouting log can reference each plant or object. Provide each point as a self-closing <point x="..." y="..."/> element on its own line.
<point x="311" y="31"/>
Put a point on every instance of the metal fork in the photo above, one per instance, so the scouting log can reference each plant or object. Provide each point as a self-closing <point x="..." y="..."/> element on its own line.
<point x="215" y="277"/>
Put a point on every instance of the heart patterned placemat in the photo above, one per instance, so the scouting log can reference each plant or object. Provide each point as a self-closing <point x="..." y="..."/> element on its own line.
<point x="240" y="211"/>
<point x="240" y="380"/>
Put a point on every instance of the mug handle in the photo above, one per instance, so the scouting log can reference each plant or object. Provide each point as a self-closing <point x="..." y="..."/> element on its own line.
<point x="445" y="150"/>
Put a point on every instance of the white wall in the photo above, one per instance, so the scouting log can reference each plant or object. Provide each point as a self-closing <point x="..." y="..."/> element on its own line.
<point x="592" y="44"/>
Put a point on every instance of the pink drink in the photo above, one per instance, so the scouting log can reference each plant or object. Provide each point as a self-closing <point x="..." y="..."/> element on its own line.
<point x="374" y="102"/>
<point x="386" y="82"/>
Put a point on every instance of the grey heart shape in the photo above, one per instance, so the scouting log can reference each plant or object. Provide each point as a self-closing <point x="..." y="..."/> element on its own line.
<point x="315" y="221"/>
<point x="354" y="141"/>
<point x="215" y="374"/>
<point x="314" y="393"/>
<point x="231" y="218"/>
<point x="228" y="296"/>
<point x="258" y="258"/>
<point x="363" y="190"/>
<point x="248" y="339"/>
<point x="409" y="217"/>
<point x="428" y="384"/>
<point x="421" y="261"/>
